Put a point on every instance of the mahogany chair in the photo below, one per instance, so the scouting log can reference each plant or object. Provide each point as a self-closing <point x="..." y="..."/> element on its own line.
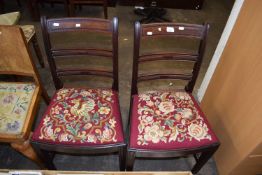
<point x="20" y="94"/>
<point x="168" y="123"/>
<point x="73" y="3"/>
<point x="81" y="120"/>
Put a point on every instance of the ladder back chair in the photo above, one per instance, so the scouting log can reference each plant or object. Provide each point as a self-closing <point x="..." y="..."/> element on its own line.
<point x="168" y="123"/>
<point x="73" y="3"/>
<point x="20" y="93"/>
<point x="81" y="120"/>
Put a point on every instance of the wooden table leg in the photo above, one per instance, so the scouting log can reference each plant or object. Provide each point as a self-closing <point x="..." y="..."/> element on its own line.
<point x="26" y="149"/>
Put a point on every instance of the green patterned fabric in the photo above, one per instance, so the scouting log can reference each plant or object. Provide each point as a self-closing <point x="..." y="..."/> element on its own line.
<point x="9" y="18"/>
<point x="15" y="99"/>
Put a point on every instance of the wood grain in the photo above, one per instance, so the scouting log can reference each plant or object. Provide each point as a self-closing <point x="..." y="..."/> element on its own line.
<point x="233" y="100"/>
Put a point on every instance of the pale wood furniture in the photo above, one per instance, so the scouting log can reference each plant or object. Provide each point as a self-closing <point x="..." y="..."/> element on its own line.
<point x="16" y="60"/>
<point x="28" y="30"/>
<point x="233" y="98"/>
<point x="47" y="172"/>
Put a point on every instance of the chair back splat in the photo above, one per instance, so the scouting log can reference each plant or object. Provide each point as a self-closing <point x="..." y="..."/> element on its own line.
<point x="190" y="31"/>
<point x="64" y="25"/>
<point x="167" y="122"/>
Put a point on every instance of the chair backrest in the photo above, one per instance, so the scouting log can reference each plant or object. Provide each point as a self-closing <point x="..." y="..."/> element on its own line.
<point x="76" y="25"/>
<point x="15" y="58"/>
<point x="170" y="30"/>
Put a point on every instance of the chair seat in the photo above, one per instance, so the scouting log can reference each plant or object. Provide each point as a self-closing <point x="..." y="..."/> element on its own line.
<point x="164" y="120"/>
<point x="29" y="31"/>
<point x="15" y="99"/>
<point x="81" y="117"/>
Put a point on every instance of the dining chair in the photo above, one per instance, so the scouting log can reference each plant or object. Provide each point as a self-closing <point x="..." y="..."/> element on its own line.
<point x="73" y="3"/>
<point x="20" y="92"/>
<point x="168" y="123"/>
<point x="81" y="120"/>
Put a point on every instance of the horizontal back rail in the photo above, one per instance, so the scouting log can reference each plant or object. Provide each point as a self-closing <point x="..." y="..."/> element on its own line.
<point x="146" y="77"/>
<point x="70" y="72"/>
<point x="172" y="29"/>
<point x="168" y="56"/>
<point x="77" y="52"/>
<point x="78" y="24"/>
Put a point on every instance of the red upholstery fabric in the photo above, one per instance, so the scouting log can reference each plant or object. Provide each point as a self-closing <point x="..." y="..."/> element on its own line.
<point x="81" y="117"/>
<point x="168" y="120"/>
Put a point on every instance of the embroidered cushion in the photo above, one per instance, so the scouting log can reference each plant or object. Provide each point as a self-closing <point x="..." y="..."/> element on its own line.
<point x="29" y="31"/>
<point x="168" y="120"/>
<point x="81" y="117"/>
<point x="15" y="99"/>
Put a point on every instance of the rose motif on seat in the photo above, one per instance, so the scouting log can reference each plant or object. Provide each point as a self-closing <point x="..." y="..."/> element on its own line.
<point x="185" y="113"/>
<point x="198" y="132"/>
<point x="153" y="133"/>
<point x="182" y="95"/>
<point x="104" y="110"/>
<point x="166" y="107"/>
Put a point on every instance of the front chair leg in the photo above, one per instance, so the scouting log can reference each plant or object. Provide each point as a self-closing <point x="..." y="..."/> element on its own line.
<point x="26" y="149"/>
<point x="131" y="155"/>
<point x="46" y="157"/>
<point x="122" y="158"/>
<point x="204" y="157"/>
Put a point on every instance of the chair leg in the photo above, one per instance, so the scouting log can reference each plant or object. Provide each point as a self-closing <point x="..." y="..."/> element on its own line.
<point x="38" y="51"/>
<point x="26" y="149"/>
<point x="204" y="157"/>
<point x="105" y="9"/>
<point x="71" y="9"/>
<point x="46" y="157"/>
<point x="19" y="3"/>
<point x="66" y="6"/>
<point x="122" y="158"/>
<point x="2" y="6"/>
<point x="130" y="160"/>
<point x="33" y="8"/>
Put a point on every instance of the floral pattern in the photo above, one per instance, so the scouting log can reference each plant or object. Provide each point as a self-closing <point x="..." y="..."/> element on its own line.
<point x="81" y="116"/>
<point x="168" y="118"/>
<point x="14" y="102"/>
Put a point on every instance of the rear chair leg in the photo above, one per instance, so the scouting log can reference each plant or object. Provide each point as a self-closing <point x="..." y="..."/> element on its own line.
<point x="131" y="155"/>
<point x="122" y="158"/>
<point x="204" y="157"/>
<point x="46" y="156"/>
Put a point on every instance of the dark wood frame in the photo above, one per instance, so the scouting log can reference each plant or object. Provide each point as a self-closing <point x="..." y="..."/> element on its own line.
<point x="34" y="9"/>
<point x="201" y="154"/>
<point x="46" y="150"/>
<point x="73" y="3"/>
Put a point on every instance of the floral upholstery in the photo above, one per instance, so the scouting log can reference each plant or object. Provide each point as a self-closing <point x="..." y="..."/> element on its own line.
<point x="29" y="31"/>
<point x="15" y="99"/>
<point x="168" y="120"/>
<point x="81" y="117"/>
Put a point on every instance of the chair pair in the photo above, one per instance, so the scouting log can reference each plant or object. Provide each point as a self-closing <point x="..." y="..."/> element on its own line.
<point x="88" y="121"/>
<point x="69" y="6"/>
